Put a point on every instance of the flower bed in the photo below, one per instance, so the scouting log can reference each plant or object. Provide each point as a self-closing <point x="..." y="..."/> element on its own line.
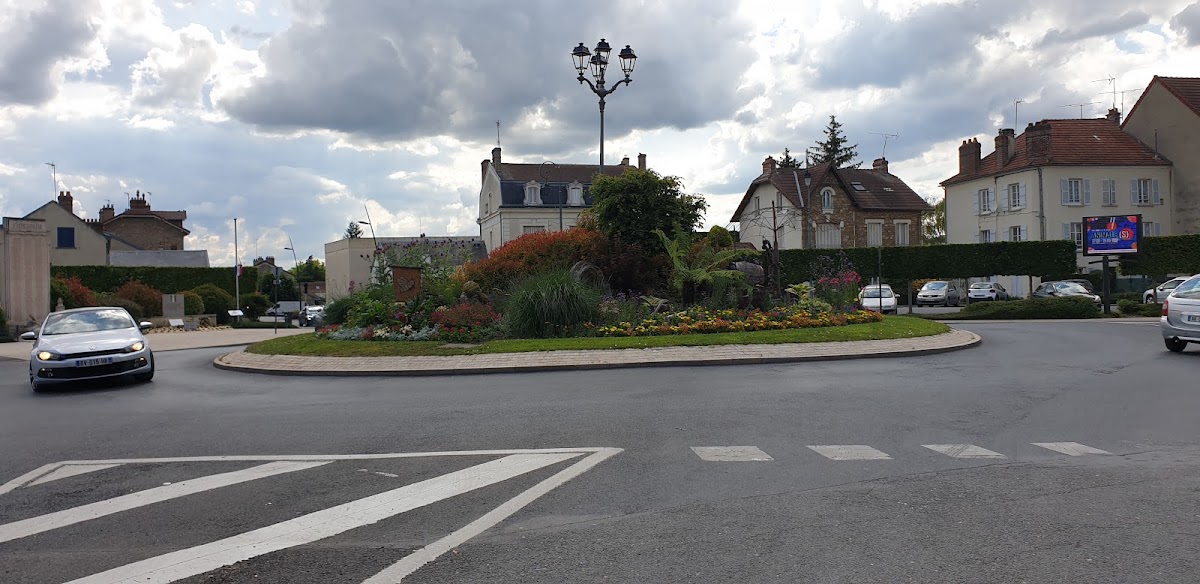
<point x="698" y="320"/>
<point x="463" y="323"/>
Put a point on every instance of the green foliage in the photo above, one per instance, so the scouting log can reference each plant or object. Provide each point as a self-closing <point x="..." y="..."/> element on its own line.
<point x="310" y="270"/>
<point x="111" y="299"/>
<point x="192" y="303"/>
<point x="552" y="304"/>
<point x="288" y="290"/>
<point x="1073" y="307"/>
<point x="837" y="282"/>
<point x="933" y="224"/>
<point x="5" y="335"/>
<point x="255" y="305"/>
<point x="719" y="237"/>
<point x="786" y="161"/>
<point x="353" y="231"/>
<point x="1136" y="308"/>
<point x="147" y="297"/>
<point x="109" y="278"/>
<point x="371" y="312"/>
<point x="216" y="301"/>
<point x="814" y="306"/>
<point x="59" y="291"/>
<point x="631" y="207"/>
<point x="466" y="322"/>
<point x="338" y="309"/>
<point x="695" y="268"/>
<point x="834" y="149"/>
<point x="1176" y="254"/>
<point x="1027" y="258"/>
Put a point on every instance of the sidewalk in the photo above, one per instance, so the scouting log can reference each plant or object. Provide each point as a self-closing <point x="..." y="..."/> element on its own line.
<point x="175" y="341"/>
<point x="596" y="359"/>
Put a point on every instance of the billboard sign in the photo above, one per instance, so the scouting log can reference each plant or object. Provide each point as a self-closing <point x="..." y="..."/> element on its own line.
<point x="1111" y="235"/>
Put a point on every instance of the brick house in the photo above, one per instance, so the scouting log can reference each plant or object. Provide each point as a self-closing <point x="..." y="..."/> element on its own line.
<point x="839" y="207"/>
<point x="144" y="228"/>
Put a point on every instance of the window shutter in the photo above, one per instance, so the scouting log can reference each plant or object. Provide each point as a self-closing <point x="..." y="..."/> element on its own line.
<point x="1087" y="192"/>
<point x="1021" y="195"/>
<point x="1024" y="233"/>
<point x="1105" y="192"/>
<point x="1004" y="202"/>
<point x="1066" y="231"/>
<point x="1156" y="199"/>
<point x="1065" y="185"/>
<point x="991" y="200"/>
<point x="977" y="234"/>
<point x="1133" y="191"/>
<point x="977" y="206"/>
<point x="1004" y="235"/>
<point x="1157" y="228"/>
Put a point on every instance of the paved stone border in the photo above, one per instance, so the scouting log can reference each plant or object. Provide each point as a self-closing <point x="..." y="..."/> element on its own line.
<point x="594" y="359"/>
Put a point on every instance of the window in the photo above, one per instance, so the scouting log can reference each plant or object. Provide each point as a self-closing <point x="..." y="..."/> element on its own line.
<point x="1144" y="192"/>
<point x="858" y="187"/>
<point x="986" y="236"/>
<point x="1151" y="229"/>
<point x="874" y="233"/>
<point x="533" y="229"/>
<point x="66" y="238"/>
<point x="985" y="201"/>
<point x="1017" y="233"/>
<point x="901" y="232"/>
<point x="1076" y="191"/>
<point x="1108" y="192"/>
<point x="575" y="194"/>
<point x="757" y="204"/>
<point x="1074" y="232"/>
<point x="533" y="193"/>
<point x="828" y="236"/>
<point x="827" y="200"/>
<point x="1016" y="196"/>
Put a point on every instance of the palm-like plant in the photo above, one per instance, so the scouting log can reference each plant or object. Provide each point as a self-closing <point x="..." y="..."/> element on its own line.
<point x="694" y="267"/>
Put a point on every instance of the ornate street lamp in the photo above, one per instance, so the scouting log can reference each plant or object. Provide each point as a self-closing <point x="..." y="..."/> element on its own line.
<point x="598" y="63"/>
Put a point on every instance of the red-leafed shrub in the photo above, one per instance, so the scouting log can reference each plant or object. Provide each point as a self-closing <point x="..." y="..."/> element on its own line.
<point x="77" y="295"/>
<point x="149" y="299"/>
<point x="468" y="322"/>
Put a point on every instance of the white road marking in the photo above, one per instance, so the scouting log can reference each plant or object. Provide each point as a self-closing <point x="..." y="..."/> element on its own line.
<point x="29" y="476"/>
<point x="1071" y="448"/>
<point x="730" y="453"/>
<point x="70" y="470"/>
<point x="322" y="524"/>
<point x="849" y="452"/>
<point x="42" y="523"/>
<point x="413" y="562"/>
<point x="963" y="451"/>
<point x="330" y="457"/>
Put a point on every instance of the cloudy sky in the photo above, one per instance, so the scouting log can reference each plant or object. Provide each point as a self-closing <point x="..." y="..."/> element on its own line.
<point x="291" y="115"/>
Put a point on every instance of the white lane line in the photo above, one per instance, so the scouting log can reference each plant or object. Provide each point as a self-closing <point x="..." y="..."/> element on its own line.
<point x="70" y="470"/>
<point x="331" y="457"/>
<point x="1071" y="448"/>
<point x="731" y="453"/>
<point x="849" y="452"/>
<point x="413" y="562"/>
<point x="321" y="524"/>
<point x="29" y="476"/>
<point x="963" y="451"/>
<point x="42" y="523"/>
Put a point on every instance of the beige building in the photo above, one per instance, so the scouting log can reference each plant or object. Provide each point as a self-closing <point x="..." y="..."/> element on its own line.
<point x="348" y="261"/>
<point x="24" y="271"/>
<point x="1039" y="185"/>
<point x="1167" y="118"/>
<point x="74" y="241"/>
<point x="516" y="198"/>
<point x="826" y="207"/>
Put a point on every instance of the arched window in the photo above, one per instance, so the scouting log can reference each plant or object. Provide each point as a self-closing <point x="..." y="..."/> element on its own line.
<point x="533" y="193"/>
<point x="575" y="194"/>
<point x="827" y="199"/>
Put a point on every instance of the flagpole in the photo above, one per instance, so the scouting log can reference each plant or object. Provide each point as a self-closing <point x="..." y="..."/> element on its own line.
<point x="237" y="271"/>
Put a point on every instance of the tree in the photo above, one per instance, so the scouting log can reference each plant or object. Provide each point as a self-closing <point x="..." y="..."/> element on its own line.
<point x="353" y="231"/>
<point x="933" y="223"/>
<point x="630" y="207"/>
<point x="310" y="270"/>
<point x="834" y="149"/>
<point x="287" y="286"/>
<point x="787" y="161"/>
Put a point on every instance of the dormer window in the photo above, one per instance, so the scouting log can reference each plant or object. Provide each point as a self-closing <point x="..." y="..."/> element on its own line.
<point x="827" y="200"/>
<point x="575" y="194"/>
<point x="533" y="193"/>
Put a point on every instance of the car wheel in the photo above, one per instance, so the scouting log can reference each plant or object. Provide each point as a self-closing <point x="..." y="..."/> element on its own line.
<point x="1175" y="345"/>
<point x="147" y="376"/>
<point x="35" y="386"/>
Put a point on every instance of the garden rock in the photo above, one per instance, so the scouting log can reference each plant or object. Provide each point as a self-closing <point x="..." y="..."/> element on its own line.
<point x="754" y="272"/>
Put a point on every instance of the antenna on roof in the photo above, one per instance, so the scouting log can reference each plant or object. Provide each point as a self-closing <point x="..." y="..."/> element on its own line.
<point x="1113" y="82"/>
<point x="1123" y="92"/>
<point x="1080" y="106"/>
<point x="885" y="141"/>
<point x="497" y="133"/>
<point x="1016" y="114"/>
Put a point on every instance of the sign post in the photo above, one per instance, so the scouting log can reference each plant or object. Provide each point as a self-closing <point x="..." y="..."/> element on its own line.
<point x="1111" y="235"/>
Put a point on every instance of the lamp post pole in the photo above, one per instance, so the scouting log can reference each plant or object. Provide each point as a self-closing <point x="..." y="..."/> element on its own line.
<point x="296" y="272"/>
<point x="548" y="168"/>
<point x="599" y="64"/>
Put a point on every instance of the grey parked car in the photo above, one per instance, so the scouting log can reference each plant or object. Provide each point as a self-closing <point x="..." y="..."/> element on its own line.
<point x="1180" y="322"/>
<point x="88" y="344"/>
<point x="939" y="293"/>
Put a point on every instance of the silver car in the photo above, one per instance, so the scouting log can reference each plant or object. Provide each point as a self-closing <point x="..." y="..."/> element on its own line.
<point x="87" y="344"/>
<point x="1180" y="322"/>
<point x="939" y="292"/>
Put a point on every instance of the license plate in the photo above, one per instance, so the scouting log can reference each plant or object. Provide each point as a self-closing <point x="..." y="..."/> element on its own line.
<point x="93" y="362"/>
<point x="1192" y="318"/>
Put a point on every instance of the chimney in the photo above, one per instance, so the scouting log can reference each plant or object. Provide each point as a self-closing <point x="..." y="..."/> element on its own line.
<point x="968" y="157"/>
<point x="642" y="161"/>
<point x="139" y="203"/>
<point x="880" y="164"/>
<point x="496" y="155"/>
<point x="625" y="161"/>
<point x="1006" y="143"/>
<point x="768" y="165"/>
<point x="107" y="213"/>
<point x="66" y="201"/>
<point x="1037" y="137"/>
<point x="1114" y="116"/>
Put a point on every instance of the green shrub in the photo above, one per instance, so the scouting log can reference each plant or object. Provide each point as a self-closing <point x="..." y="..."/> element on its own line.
<point x="59" y="291"/>
<point x="216" y="301"/>
<point x="1131" y="308"/>
<point x="4" y="333"/>
<point x="192" y="303"/>
<point x="814" y="306"/>
<point x="1134" y="297"/>
<point x="338" y="309"/>
<point x="255" y="305"/>
<point x="110" y="299"/>
<point x="109" y="278"/>
<point x="1076" y="307"/>
<point x="371" y="312"/>
<point x="552" y="304"/>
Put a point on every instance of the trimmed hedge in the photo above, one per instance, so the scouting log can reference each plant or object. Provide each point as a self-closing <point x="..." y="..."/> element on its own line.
<point x="1077" y="307"/>
<point x="109" y="278"/>
<point x="1031" y="258"/>
<point x="1176" y="254"/>
<point x="1132" y="308"/>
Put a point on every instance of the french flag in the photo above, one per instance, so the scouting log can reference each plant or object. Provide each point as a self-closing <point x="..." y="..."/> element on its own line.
<point x="239" y="270"/>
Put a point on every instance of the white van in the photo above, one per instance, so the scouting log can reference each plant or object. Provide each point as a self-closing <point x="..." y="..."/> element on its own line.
<point x="283" y="307"/>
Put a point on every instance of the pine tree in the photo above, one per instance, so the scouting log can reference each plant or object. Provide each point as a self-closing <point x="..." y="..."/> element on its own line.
<point x="834" y="149"/>
<point x="787" y="161"/>
<point x="353" y="231"/>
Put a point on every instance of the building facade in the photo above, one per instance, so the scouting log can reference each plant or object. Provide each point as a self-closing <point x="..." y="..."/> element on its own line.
<point x="348" y="262"/>
<point x="143" y="227"/>
<point x="73" y="240"/>
<point x="827" y="207"/>
<point x="1167" y="119"/>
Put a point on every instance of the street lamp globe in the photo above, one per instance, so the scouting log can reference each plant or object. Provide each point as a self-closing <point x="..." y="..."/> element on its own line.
<point x="628" y="60"/>
<point x="581" y="55"/>
<point x="599" y="65"/>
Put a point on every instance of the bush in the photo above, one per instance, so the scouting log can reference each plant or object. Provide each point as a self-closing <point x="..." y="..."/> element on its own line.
<point x="109" y="278"/>
<point x="192" y="303"/>
<point x="59" y="291"/>
<point x="552" y="304"/>
<point x="149" y="299"/>
<point x="1077" y="307"/>
<point x="371" y="312"/>
<point x="110" y="299"/>
<point x="1132" y="308"/>
<point x="4" y="333"/>
<point x="255" y="305"/>
<point x="467" y="322"/>
<point x="216" y="300"/>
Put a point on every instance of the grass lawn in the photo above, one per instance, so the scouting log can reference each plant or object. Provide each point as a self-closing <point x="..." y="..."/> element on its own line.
<point x="892" y="327"/>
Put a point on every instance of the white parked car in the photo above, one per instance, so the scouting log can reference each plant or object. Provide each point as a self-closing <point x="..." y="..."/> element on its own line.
<point x="1161" y="291"/>
<point x="986" y="291"/>
<point x="311" y="314"/>
<point x="88" y="344"/>
<point x="1180" y="322"/>
<point x="878" y="298"/>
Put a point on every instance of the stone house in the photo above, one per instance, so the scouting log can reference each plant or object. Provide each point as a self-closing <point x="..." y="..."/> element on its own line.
<point x="1166" y="118"/>
<point x="143" y="227"/>
<point x="73" y="240"/>
<point x="826" y="207"/>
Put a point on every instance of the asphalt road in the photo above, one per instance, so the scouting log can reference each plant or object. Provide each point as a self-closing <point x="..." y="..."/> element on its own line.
<point x="654" y="512"/>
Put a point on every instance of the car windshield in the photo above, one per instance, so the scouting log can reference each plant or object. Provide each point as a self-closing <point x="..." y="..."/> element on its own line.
<point x="934" y="286"/>
<point x="90" y="321"/>
<point x="981" y="285"/>
<point x="1073" y="287"/>
<point x="1189" y="289"/>
<point x="875" y="293"/>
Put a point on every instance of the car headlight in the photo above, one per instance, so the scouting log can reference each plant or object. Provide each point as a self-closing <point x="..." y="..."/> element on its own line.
<point x="48" y="356"/>
<point x="138" y="346"/>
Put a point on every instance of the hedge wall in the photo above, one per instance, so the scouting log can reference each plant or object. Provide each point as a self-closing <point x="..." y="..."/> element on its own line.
<point x="165" y="280"/>
<point x="1032" y="258"/>
<point x="1177" y="254"/>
